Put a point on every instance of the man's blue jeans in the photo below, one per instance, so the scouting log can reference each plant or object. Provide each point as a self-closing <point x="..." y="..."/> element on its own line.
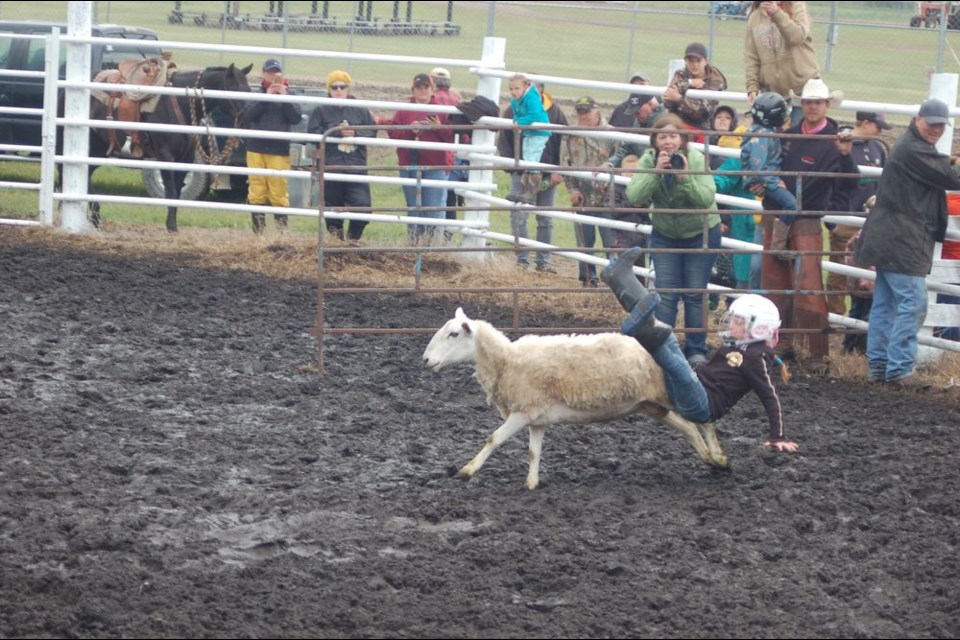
<point x="518" y="223"/>
<point x="587" y="237"/>
<point x="898" y="311"/>
<point x="429" y="197"/>
<point x="684" y="271"/>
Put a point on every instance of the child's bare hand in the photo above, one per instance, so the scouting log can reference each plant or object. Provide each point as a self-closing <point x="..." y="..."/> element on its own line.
<point x="782" y="446"/>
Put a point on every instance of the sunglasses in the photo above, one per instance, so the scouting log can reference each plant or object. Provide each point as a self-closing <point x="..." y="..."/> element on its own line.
<point x="339" y="87"/>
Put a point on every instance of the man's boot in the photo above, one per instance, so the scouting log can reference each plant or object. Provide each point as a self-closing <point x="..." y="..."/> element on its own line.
<point x="516" y="185"/>
<point x="281" y="221"/>
<point x="636" y="299"/>
<point x="778" y="237"/>
<point x="259" y="222"/>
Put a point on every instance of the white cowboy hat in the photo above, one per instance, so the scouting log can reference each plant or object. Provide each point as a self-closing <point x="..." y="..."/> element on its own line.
<point x="816" y="89"/>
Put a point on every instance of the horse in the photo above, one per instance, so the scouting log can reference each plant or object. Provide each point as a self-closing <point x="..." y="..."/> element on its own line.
<point x="167" y="146"/>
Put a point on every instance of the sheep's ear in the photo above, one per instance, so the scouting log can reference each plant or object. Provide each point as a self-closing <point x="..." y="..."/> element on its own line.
<point x="467" y="327"/>
<point x="460" y="315"/>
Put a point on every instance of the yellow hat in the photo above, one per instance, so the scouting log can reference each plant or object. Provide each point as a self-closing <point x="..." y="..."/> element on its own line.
<point x="338" y="76"/>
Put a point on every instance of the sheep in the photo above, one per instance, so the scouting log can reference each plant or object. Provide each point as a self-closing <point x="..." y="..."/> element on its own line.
<point x="576" y="379"/>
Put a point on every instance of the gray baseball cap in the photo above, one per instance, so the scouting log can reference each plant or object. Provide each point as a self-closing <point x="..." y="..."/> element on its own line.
<point x="935" y="111"/>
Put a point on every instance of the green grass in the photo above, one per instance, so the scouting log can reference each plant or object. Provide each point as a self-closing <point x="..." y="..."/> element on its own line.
<point x="871" y="62"/>
<point x="21" y="204"/>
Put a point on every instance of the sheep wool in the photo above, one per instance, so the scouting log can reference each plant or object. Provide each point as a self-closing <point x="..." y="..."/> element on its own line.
<point x="574" y="379"/>
<point x="587" y="372"/>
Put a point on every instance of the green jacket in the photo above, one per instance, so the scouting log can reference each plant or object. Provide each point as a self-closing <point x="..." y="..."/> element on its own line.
<point x="698" y="191"/>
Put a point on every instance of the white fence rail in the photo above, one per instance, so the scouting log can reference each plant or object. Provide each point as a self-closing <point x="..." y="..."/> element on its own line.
<point x="489" y="70"/>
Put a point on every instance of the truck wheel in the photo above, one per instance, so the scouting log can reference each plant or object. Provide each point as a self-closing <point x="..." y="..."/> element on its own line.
<point x="195" y="186"/>
<point x="915" y="21"/>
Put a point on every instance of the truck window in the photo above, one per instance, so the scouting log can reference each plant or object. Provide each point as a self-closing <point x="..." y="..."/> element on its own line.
<point x="36" y="53"/>
<point x="6" y="42"/>
<point x="113" y="55"/>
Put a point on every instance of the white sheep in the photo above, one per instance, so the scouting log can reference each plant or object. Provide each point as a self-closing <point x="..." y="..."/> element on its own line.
<point x="577" y="379"/>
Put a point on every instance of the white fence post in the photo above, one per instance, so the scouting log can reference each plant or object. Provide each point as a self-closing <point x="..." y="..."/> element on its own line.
<point x="674" y="65"/>
<point x="76" y="140"/>
<point x="944" y="87"/>
<point x="493" y="57"/>
<point x="48" y="143"/>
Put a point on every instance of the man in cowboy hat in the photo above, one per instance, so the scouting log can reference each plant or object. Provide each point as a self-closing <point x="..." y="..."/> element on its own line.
<point x="909" y="217"/>
<point x="827" y="153"/>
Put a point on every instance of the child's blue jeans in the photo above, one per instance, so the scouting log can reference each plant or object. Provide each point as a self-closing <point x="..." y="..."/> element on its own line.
<point x="780" y="199"/>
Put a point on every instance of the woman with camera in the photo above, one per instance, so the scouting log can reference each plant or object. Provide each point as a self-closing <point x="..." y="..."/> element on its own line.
<point x="672" y="176"/>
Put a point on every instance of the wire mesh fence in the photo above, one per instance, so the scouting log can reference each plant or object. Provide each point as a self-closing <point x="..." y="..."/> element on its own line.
<point x="867" y="49"/>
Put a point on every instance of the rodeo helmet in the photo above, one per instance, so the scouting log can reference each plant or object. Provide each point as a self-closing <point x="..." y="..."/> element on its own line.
<point x="769" y="109"/>
<point x="760" y="317"/>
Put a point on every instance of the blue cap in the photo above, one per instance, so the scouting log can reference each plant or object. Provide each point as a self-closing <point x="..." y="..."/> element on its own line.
<point x="272" y="65"/>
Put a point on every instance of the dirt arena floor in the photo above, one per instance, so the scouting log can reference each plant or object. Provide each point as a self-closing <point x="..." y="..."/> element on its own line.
<point x="173" y="467"/>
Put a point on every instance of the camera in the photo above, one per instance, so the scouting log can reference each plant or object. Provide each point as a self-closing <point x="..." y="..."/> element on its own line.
<point x="677" y="161"/>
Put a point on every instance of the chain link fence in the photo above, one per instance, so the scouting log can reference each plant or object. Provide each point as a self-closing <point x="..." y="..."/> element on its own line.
<point x="867" y="49"/>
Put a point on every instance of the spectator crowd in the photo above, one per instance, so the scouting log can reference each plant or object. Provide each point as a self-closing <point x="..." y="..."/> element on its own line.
<point x="787" y="131"/>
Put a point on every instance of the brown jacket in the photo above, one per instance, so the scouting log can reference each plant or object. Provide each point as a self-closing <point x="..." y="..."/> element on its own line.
<point x="778" y="51"/>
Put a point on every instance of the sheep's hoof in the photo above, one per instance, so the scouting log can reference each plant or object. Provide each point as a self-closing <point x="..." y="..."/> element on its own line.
<point x="721" y="463"/>
<point x="465" y="472"/>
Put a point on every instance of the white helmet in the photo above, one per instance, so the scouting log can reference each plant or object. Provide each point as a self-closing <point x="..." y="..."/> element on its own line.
<point x="761" y="320"/>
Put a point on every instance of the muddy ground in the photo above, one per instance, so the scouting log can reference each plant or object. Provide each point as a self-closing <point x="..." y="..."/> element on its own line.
<point x="172" y="467"/>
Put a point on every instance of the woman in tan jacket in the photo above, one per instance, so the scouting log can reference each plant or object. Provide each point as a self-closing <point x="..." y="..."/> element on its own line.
<point x="778" y="50"/>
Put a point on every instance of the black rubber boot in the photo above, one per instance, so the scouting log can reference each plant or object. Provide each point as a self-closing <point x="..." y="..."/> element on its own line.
<point x="644" y="327"/>
<point x="259" y="222"/>
<point x="620" y="278"/>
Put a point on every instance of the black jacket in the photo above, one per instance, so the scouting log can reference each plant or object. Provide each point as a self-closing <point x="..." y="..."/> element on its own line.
<point x="910" y="215"/>
<point x="327" y="116"/>
<point x="733" y="372"/>
<point x="264" y="116"/>
<point x="819" y="156"/>
<point x="869" y="153"/>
